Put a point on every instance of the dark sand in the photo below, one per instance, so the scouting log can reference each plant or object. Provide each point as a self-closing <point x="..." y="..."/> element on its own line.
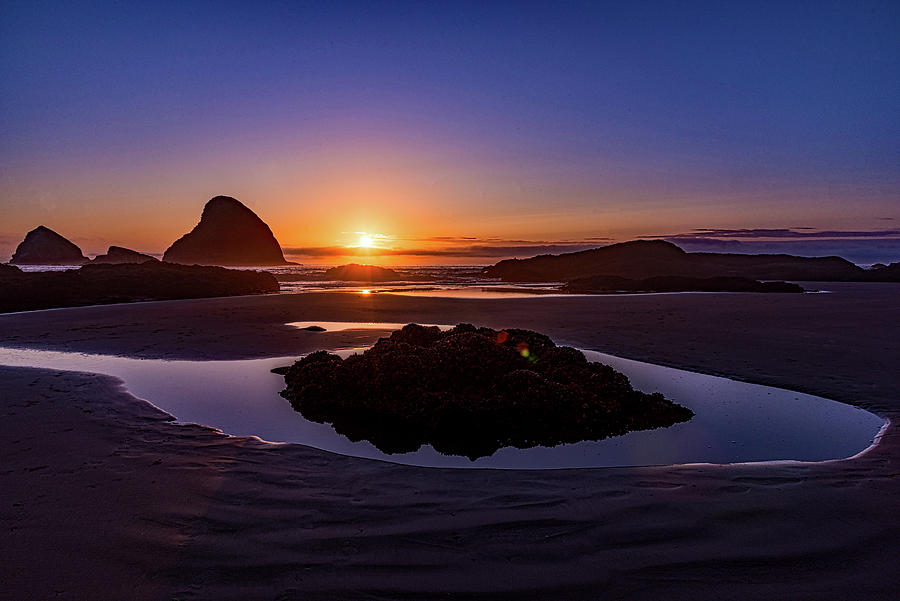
<point x="102" y="497"/>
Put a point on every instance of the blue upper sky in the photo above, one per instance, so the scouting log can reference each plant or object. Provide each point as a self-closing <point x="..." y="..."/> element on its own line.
<point x="615" y="119"/>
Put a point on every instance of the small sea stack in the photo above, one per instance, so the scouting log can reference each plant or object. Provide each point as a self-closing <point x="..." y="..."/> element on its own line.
<point x="228" y="234"/>
<point x="116" y="255"/>
<point x="43" y="246"/>
<point x="362" y="273"/>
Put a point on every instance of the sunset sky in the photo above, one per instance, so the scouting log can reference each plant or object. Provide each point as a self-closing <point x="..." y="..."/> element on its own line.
<point x="454" y="132"/>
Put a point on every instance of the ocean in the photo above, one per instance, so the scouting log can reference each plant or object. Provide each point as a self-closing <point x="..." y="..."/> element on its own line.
<point x="459" y="281"/>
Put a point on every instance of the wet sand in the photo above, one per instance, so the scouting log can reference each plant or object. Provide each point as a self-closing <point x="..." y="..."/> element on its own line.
<point x="103" y="497"/>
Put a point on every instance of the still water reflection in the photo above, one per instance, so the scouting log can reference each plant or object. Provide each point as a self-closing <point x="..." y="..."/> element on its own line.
<point x="734" y="422"/>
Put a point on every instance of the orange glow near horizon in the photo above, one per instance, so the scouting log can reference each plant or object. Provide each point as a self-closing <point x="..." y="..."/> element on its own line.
<point x="356" y="211"/>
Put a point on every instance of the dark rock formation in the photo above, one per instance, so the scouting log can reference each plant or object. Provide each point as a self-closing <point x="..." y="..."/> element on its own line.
<point x="103" y="284"/>
<point x="362" y="273"/>
<point x="607" y="284"/>
<point x="228" y="234"/>
<point x="470" y="392"/>
<point x="885" y="273"/>
<point x="43" y="246"/>
<point x="117" y="255"/>
<point x="9" y="271"/>
<point x="354" y="273"/>
<point x="641" y="259"/>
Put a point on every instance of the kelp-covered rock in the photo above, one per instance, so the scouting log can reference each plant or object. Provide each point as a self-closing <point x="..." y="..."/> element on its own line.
<point x="98" y="284"/>
<point x="9" y="271"/>
<point x="471" y="391"/>
<point x="605" y="284"/>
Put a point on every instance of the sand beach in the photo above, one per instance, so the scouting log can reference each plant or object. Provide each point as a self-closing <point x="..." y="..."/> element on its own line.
<point x="104" y="497"/>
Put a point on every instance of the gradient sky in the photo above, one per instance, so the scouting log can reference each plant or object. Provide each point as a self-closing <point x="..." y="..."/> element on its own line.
<point x="451" y="125"/>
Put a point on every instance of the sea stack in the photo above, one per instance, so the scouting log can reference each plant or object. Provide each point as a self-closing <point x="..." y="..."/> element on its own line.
<point x="117" y="255"/>
<point x="362" y="273"/>
<point x="43" y="246"/>
<point x="228" y="234"/>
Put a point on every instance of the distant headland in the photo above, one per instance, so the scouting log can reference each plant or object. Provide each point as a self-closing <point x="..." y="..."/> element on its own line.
<point x="642" y="259"/>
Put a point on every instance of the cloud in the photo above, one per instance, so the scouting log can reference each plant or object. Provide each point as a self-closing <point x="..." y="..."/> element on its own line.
<point x="443" y="239"/>
<point x="863" y="251"/>
<point x="490" y="247"/>
<point x="471" y="251"/>
<point x="779" y="233"/>
<point x="706" y="243"/>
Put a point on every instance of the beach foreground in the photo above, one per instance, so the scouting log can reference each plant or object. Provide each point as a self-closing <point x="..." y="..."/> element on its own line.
<point x="104" y="497"/>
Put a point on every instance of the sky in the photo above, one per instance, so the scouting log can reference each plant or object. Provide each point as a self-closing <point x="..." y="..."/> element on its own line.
<point x="455" y="132"/>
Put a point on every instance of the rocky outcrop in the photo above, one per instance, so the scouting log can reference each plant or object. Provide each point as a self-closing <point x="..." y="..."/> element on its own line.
<point x="470" y="392"/>
<point x="355" y="273"/>
<point x="885" y="273"/>
<point x="363" y="273"/>
<point x="610" y="284"/>
<point x="9" y="271"/>
<point x="228" y="234"/>
<point x="117" y="255"/>
<point x="641" y="259"/>
<point x="43" y="246"/>
<point x="103" y="284"/>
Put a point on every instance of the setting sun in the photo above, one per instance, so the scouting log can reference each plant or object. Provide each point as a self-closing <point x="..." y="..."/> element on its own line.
<point x="366" y="241"/>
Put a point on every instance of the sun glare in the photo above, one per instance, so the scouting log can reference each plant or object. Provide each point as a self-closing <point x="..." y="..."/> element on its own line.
<point x="366" y="241"/>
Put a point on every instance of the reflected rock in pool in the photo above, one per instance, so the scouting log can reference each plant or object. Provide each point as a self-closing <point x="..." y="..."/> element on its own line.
<point x="470" y="391"/>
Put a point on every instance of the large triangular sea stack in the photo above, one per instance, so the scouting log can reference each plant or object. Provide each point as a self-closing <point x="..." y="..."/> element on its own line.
<point x="43" y="246"/>
<point x="228" y="234"/>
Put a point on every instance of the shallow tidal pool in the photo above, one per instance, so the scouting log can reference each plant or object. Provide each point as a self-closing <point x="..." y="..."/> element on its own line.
<point x="734" y="422"/>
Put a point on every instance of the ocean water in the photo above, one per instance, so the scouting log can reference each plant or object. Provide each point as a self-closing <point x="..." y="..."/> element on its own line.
<point x="457" y="281"/>
<point x="462" y="281"/>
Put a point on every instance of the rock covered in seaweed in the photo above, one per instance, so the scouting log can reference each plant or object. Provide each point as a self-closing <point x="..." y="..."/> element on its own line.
<point x="471" y="391"/>
<point x="97" y="284"/>
<point x="612" y="284"/>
